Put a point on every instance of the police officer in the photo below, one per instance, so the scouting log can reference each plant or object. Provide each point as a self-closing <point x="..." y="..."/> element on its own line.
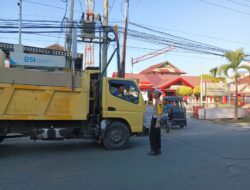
<point x="155" y="130"/>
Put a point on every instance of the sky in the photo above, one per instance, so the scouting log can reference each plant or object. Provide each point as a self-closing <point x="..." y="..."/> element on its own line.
<point x="221" y="23"/>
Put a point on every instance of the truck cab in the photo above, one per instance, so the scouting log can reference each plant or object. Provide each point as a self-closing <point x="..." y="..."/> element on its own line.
<point x="122" y="113"/>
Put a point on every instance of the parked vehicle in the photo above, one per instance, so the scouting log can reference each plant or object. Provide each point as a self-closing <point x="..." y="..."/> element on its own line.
<point x="177" y="115"/>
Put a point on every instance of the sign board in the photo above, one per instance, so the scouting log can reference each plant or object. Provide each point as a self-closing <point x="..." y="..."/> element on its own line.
<point x="37" y="60"/>
<point x="215" y="89"/>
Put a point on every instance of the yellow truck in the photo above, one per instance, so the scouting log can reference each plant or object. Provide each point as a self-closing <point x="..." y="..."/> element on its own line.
<point x="68" y="103"/>
<point x="44" y="105"/>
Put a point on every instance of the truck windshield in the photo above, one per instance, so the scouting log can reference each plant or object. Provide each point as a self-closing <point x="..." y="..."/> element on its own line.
<point x="125" y="90"/>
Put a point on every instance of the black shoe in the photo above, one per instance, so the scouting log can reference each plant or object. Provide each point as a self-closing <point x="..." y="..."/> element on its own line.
<point x="158" y="151"/>
<point x="152" y="153"/>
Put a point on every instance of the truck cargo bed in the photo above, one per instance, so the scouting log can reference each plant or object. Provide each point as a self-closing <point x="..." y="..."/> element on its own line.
<point x="32" y="100"/>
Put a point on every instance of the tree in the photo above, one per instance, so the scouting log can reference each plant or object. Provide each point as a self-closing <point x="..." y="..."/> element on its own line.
<point x="213" y="76"/>
<point x="184" y="91"/>
<point x="197" y="92"/>
<point x="235" y="58"/>
<point x="213" y="72"/>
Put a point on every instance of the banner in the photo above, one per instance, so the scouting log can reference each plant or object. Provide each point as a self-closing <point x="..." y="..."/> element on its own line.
<point x="215" y="89"/>
<point x="37" y="60"/>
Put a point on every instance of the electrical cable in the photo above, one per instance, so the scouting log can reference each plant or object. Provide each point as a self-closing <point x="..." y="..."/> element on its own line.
<point x="81" y="5"/>
<point x="227" y="8"/>
<point x="113" y="3"/>
<point x="144" y="34"/>
<point x="238" y="3"/>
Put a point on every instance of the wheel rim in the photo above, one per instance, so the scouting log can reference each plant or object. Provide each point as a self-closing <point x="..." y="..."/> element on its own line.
<point x="116" y="136"/>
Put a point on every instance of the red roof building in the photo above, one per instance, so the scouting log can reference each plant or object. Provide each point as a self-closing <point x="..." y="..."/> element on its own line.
<point x="243" y="86"/>
<point x="56" y="47"/>
<point x="163" y="76"/>
<point x="163" y="68"/>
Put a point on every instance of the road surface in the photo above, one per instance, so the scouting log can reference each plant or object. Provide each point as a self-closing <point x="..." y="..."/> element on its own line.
<point x="201" y="156"/>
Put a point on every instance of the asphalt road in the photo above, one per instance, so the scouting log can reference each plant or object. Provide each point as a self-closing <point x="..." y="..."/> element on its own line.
<point x="200" y="156"/>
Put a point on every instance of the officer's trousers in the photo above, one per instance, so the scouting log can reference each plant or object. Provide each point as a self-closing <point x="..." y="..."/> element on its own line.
<point x="155" y="136"/>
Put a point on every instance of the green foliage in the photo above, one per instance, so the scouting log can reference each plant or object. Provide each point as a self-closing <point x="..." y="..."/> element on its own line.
<point x="235" y="58"/>
<point x="209" y="78"/>
<point x="184" y="91"/>
<point x="197" y="90"/>
<point x="213" y="72"/>
<point x="206" y="77"/>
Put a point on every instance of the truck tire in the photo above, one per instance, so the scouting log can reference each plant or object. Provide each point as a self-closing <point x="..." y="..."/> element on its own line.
<point x="2" y="135"/>
<point x="116" y="136"/>
<point x="1" y="138"/>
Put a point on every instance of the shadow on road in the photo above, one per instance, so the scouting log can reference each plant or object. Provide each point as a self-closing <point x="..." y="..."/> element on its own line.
<point x="46" y="147"/>
<point x="27" y="147"/>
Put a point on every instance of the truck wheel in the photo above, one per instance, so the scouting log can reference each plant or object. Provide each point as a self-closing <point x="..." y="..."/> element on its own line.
<point x="2" y="135"/>
<point x="116" y="136"/>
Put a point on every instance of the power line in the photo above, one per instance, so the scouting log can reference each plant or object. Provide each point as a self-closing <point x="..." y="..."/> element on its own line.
<point x="136" y="6"/>
<point x="113" y="3"/>
<point x="44" y="4"/>
<point x="40" y="16"/>
<point x="64" y="18"/>
<point x="27" y="39"/>
<point x="183" y="32"/>
<point x="181" y="53"/>
<point x="238" y="3"/>
<point x="221" y="6"/>
<point x="162" y="38"/>
<point x="152" y="36"/>
<point x="196" y="57"/>
<point x="247" y="0"/>
<point x="48" y="5"/>
<point x="195" y="34"/>
<point x="80" y="5"/>
<point x="176" y="37"/>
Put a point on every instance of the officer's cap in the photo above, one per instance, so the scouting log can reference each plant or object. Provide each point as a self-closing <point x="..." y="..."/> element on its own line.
<point x="158" y="92"/>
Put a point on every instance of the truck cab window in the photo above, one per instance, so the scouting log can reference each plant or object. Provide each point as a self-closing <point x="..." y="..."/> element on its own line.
<point x="125" y="90"/>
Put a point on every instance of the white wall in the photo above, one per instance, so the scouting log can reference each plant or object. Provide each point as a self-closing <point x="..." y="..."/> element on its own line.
<point x="220" y="113"/>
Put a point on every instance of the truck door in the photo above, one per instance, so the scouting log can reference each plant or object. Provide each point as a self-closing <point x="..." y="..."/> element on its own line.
<point x="122" y="100"/>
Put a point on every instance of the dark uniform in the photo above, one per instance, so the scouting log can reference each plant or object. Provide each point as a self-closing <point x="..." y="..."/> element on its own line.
<point x="155" y="132"/>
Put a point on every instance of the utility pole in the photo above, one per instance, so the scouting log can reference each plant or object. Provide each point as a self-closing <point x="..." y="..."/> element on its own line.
<point x="105" y="41"/>
<point x="125" y="38"/>
<point x="201" y="86"/>
<point x="20" y="4"/>
<point x="74" y="54"/>
<point x="70" y="25"/>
